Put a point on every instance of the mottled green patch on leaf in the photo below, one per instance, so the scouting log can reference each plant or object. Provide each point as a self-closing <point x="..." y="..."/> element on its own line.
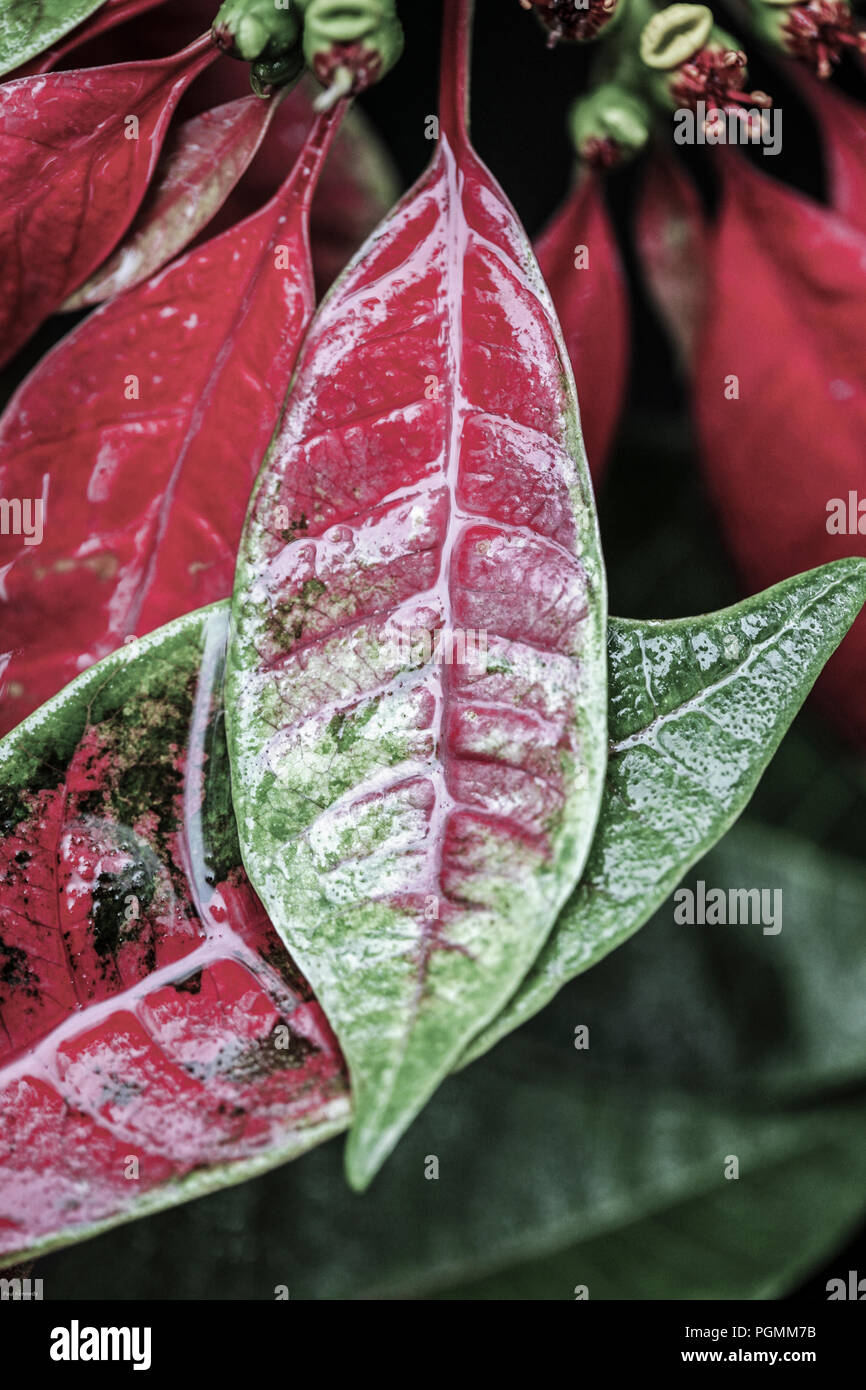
<point x="27" y="28"/>
<point x="698" y="707"/>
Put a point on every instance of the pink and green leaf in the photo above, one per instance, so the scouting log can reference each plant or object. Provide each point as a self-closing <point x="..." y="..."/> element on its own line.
<point x="156" y="1040"/>
<point x="698" y="707"/>
<point x="413" y="823"/>
<point x="131" y="813"/>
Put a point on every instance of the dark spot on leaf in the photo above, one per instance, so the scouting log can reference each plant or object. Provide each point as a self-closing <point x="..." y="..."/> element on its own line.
<point x="191" y="985"/>
<point x="15" y="972"/>
<point x="290" y="532"/>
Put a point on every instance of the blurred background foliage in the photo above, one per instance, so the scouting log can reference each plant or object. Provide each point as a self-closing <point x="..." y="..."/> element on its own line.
<point x="602" y="1167"/>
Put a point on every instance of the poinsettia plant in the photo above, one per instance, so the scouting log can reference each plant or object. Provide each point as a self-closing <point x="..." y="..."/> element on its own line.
<point x="325" y="766"/>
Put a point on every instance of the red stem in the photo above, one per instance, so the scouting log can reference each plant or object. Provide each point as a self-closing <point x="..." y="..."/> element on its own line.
<point x="202" y="44"/>
<point x="454" y="72"/>
<point x="301" y="182"/>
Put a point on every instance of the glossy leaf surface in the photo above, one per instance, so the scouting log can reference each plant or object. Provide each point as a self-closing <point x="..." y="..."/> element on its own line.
<point x="77" y="150"/>
<point x="578" y="258"/>
<point x="199" y="166"/>
<point x="356" y="188"/>
<point x="698" y="708"/>
<point x="411" y="817"/>
<point x="109" y="769"/>
<point x="155" y="1039"/>
<point x="141" y="433"/>
<point x="784" y="324"/>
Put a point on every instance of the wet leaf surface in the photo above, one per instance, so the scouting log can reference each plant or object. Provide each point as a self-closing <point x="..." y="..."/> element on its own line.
<point x="77" y="151"/>
<point x="199" y="166"/>
<point x="413" y="821"/>
<point x="144" y="474"/>
<point x="155" y="1038"/>
<point x="698" y="708"/>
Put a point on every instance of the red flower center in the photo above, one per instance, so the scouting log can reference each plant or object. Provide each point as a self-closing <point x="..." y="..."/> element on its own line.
<point x="715" y="76"/>
<point x="601" y="152"/>
<point x="566" y="19"/>
<point x="819" y="31"/>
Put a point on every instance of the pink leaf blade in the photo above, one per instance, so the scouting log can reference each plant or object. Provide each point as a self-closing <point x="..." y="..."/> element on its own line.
<point x="77" y="152"/>
<point x="784" y="455"/>
<point x="842" y="124"/>
<point x="671" y="235"/>
<point x="199" y="166"/>
<point x="145" y="477"/>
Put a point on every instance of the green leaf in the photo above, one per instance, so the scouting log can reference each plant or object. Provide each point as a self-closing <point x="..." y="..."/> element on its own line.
<point x="753" y="1238"/>
<point x="776" y="1016"/>
<point x="698" y="707"/>
<point x="26" y="29"/>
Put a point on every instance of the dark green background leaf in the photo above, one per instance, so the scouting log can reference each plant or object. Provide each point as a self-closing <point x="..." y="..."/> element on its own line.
<point x="560" y="1167"/>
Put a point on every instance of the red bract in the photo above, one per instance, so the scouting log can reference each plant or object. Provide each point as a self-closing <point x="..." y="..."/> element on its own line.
<point x="843" y="131"/>
<point x="580" y="263"/>
<point x="780" y="395"/>
<point x="142" y="433"/>
<point x="671" y="238"/>
<point x="77" y="152"/>
<point x="356" y="188"/>
<point x="199" y="166"/>
<point x="358" y="184"/>
<point x="155" y="1038"/>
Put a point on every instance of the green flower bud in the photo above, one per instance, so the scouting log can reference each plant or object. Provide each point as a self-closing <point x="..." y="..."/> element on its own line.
<point x="257" y="29"/>
<point x="271" y="73"/>
<point x="609" y="125"/>
<point x="674" y="35"/>
<point x="351" y="43"/>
